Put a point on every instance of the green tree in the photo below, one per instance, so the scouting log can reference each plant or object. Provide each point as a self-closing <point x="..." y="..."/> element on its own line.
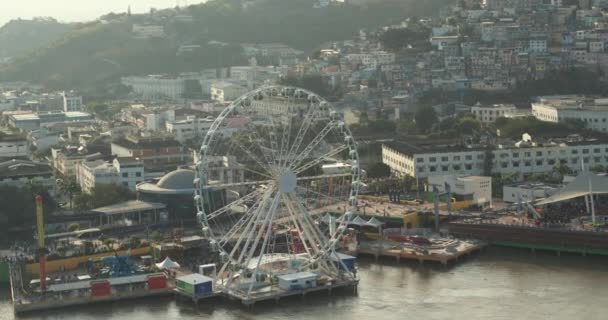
<point x="378" y="170"/>
<point x="70" y="187"/>
<point x="18" y="208"/>
<point x="134" y="242"/>
<point x="83" y="201"/>
<point x="192" y="89"/>
<point x="425" y="117"/>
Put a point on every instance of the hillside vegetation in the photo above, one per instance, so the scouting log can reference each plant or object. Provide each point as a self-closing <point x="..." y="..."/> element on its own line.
<point x="96" y="54"/>
<point x="18" y="37"/>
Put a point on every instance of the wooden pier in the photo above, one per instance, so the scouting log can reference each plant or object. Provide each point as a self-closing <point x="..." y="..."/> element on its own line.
<point x="442" y="251"/>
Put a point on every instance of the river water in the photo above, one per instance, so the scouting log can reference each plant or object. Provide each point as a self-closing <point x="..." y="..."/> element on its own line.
<point x="497" y="283"/>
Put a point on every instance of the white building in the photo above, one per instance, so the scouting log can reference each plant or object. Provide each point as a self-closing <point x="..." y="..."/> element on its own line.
<point x="190" y="128"/>
<point x="537" y="45"/>
<point x="71" y="101"/>
<point x="121" y="171"/>
<point x="592" y="111"/>
<point x="477" y="189"/>
<point x="148" y="31"/>
<point x="442" y="41"/>
<point x="526" y="192"/>
<point x="156" y="86"/>
<point x="223" y="91"/>
<point x="489" y="113"/>
<point x="524" y="157"/>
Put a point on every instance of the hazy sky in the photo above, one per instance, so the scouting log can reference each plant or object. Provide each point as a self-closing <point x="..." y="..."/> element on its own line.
<point x="78" y="10"/>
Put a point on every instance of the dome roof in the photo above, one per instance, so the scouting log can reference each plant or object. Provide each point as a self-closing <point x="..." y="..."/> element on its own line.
<point x="178" y="179"/>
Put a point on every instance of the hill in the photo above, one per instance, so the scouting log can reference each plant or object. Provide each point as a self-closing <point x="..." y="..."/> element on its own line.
<point x="17" y="37"/>
<point x="96" y="54"/>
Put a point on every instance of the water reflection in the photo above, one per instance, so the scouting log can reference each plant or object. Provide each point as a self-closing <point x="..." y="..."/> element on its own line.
<point x="495" y="284"/>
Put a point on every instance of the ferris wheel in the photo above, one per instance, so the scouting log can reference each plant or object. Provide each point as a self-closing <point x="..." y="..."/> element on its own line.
<point x="272" y="168"/>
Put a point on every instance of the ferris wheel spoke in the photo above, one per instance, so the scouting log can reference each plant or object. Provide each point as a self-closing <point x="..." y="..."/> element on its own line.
<point x="243" y="222"/>
<point x="250" y="196"/>
<point x="319" y="194"/>
<point x="310" y="147"/>
<point x="268" y="224"/>
<point x="304" y="231"/>
<point x="324" y="176"/>
<point x="252" y="156"/>
<point x="246" y="235"/>
<point x="240" y="184"/>
<point x="273" y="141"/>
<point x="308" y="120"/>
<point x="314" y="234"/>
<point x="262" y="214"/>
<point x="285" y="141"/>
<point x="305" y="214"/>
<point x="320" y="159"/>
<point x="255" y="138"/>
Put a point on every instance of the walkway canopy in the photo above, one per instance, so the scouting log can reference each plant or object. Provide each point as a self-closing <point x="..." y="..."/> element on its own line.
<point x="579" y="187"/>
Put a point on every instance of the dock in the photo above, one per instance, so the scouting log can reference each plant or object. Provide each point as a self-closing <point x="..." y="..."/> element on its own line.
<point x="276" y="294"/>
<point x="196" y="298"/>
<point x="23" y="306"/>
<point x="442" y="251"/>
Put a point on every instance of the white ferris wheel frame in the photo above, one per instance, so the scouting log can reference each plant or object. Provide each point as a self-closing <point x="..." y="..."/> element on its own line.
<point x="319" y="254"/>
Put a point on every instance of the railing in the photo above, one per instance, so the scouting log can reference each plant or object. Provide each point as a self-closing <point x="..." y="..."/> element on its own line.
<point x="546" y="227"/>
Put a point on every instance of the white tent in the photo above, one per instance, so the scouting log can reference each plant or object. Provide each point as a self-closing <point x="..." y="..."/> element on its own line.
<point x="167" y="264"/>
<point x="358" y="221"/>
<point x="579" y="187"/>
<point x="375" y="222"/>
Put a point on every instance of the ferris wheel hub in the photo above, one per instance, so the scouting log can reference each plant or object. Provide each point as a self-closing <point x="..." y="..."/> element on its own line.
<point x="288" y="181"/>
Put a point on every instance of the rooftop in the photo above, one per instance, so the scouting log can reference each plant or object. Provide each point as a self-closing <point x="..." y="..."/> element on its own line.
<point x="180" y="181"/>
<point x="129" y="206"/>
<point x="14" y="168"/>
<point x="146" y="143"/>
<point x="194" y="278"/>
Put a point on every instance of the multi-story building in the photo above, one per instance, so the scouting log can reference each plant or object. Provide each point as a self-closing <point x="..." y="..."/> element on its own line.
<point x="121" y="171"/>
<point x="43" y="139"/>
<point x="33" y="121"/>
<point x="189" y="129"/>
<point x="489" y="113"/>
<point x="21" y="173"/>
<point x="71" y="101"/>
<point x="157" y="86"/>
<point x="153" y="151"/>
<point x="223" y="91"/>
<point x="525" y="157"/>
<point x="592" y="111"/>
<point x="13" y="146"/>
<point x="538" y="45"/>
<point x="65" y="159"/>
<point x="223" y="169"/>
